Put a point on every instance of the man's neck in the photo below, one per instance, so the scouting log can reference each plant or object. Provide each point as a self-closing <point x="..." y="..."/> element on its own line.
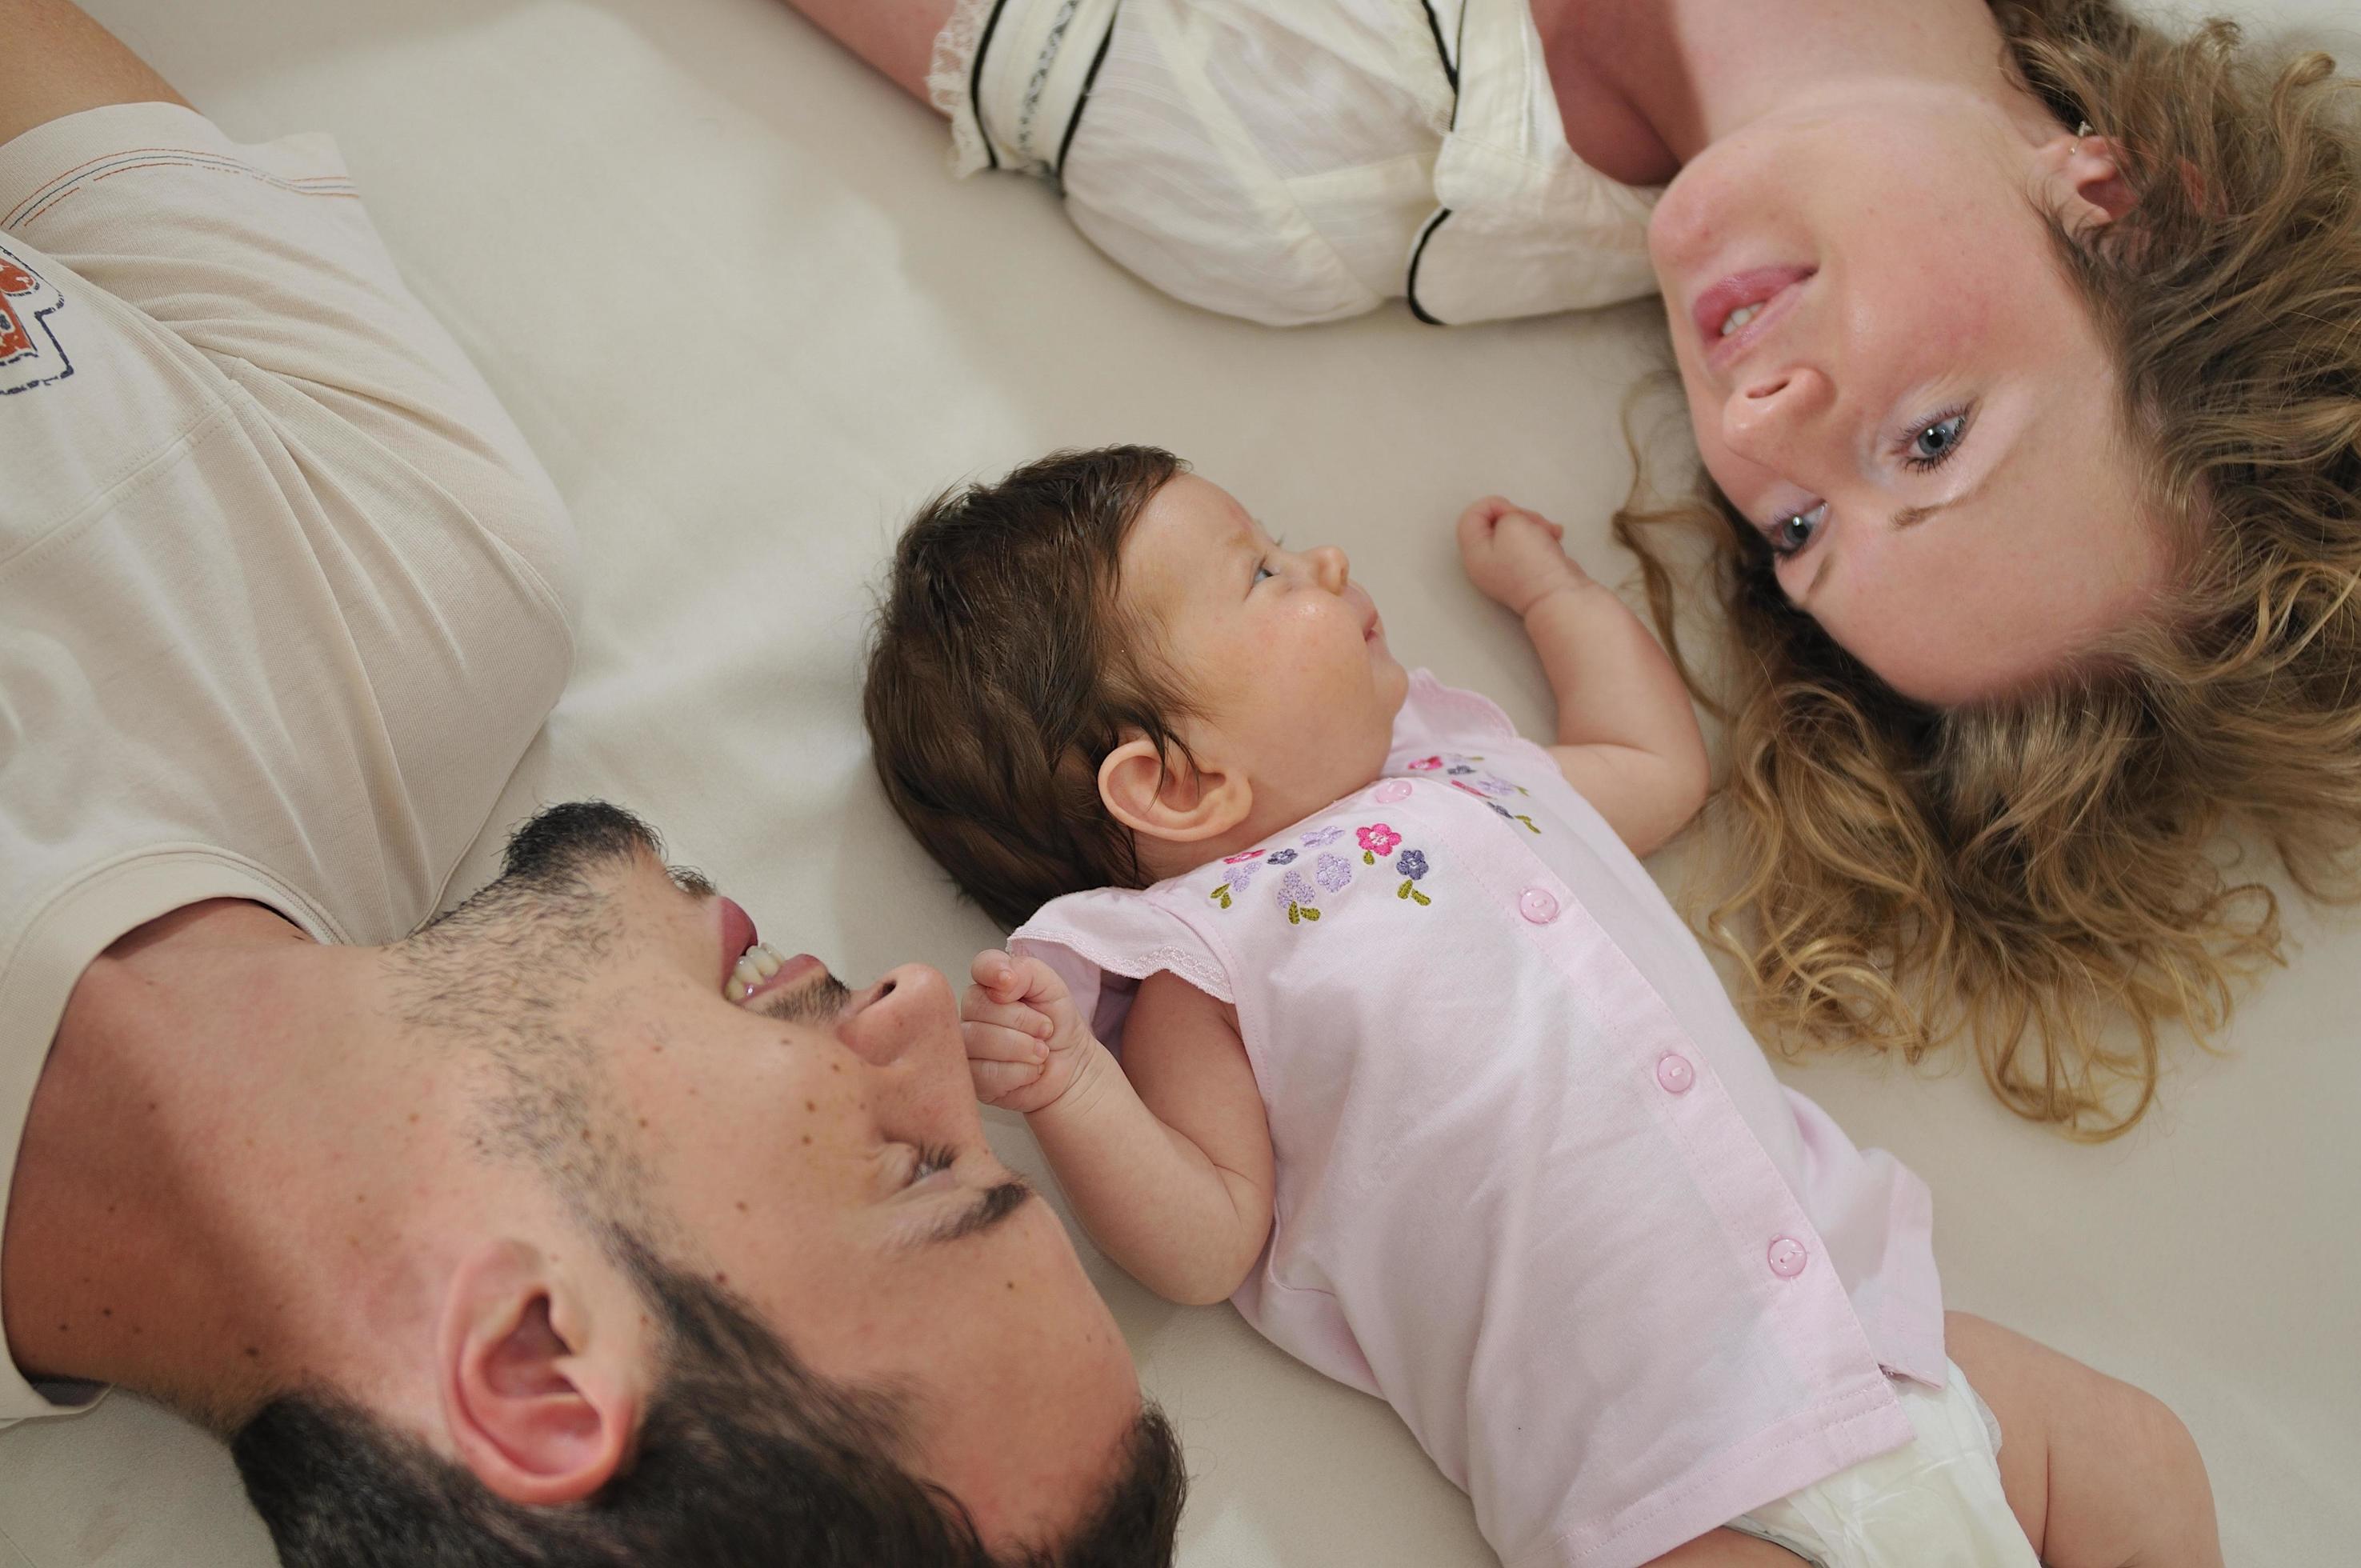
<point x="202" y="1182"/>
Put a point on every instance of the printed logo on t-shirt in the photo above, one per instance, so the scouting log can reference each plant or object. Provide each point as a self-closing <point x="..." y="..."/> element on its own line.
<point x="30" y="355"/>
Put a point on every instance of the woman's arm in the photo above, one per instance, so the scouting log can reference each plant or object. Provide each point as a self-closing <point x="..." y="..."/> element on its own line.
<point x="1628" y="737"/>
<point x="1166" y="1156"/>
<point x="897" y="37"/>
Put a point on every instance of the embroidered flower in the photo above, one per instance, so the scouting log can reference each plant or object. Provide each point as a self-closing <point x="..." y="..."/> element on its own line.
<point x="1236" y="877"/>
<point x="1512" y="816"/>
<point x="1320" y="838"/>
<point x="1459" y="768"/>
<point x="1241" y="855"/>
<point x="1426" y="764"/>
<point x="1331" y="871"/>
<point x="1411" y="867"/>
<point x="1377" y="840"/>
<point x="1297" y="895"/>
<point x="1281" y="858"/>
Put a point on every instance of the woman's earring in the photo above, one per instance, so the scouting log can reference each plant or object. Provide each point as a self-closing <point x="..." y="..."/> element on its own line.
<point x="2079" y="132"/>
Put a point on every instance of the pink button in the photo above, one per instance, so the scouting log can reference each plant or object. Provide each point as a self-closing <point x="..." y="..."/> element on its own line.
<point x="1788" y="1257"/>
<point x="1674" y="1073"/>
<point x="1391" y="791"/>
<point x="1537" y="904"/>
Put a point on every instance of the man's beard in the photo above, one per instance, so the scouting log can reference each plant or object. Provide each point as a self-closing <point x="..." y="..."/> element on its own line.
<point x="817" y="1002"/>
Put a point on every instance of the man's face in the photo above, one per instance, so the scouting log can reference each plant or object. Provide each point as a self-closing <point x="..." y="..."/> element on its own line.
<point x="820" y="1152"/>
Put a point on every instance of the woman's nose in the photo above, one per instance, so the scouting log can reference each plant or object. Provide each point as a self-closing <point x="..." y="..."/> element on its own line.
<point x="1330" y="568"/>
<point x="908" y="1016"/>
<point x="1764" y="418"/>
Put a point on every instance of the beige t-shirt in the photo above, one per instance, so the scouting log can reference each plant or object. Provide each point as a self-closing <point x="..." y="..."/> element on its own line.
<point x="283" y="596"/>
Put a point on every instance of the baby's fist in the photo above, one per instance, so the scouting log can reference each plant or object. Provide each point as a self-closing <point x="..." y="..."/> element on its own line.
<point x="1515" y="556"/>
<point x="1025" y="1038"/>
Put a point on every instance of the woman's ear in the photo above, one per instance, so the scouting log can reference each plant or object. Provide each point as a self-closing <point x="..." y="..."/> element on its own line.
<point x="1179" y="802"/>
<point x="542" y="1401"/>
<point x="2090" y="190"/>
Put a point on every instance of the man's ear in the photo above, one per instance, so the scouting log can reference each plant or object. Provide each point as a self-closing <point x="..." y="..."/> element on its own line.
<point x="2090" y="190"/>
<point x="1180" y="803"/>
<point x="542" y="1397"/>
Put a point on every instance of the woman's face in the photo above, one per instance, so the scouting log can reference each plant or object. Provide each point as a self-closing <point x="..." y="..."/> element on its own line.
<point x="1892" y="378"/>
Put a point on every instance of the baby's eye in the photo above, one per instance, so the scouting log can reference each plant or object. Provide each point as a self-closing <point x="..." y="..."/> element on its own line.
<point x="1262" y="569"/>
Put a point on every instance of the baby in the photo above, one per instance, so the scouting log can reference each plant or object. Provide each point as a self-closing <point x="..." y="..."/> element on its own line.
<point x="1332" y="996"/>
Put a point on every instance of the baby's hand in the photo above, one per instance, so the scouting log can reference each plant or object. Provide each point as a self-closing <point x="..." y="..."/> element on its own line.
<point x="1026" y="1039"/>
<point x="1514" y="555"/>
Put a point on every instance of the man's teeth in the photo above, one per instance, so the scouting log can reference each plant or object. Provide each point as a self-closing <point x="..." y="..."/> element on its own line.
<point x="757" y="964"/>
<point x="1739" y="318"/>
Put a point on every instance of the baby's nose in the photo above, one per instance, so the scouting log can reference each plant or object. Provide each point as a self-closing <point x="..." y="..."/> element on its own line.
<point x="1329" y="566"/>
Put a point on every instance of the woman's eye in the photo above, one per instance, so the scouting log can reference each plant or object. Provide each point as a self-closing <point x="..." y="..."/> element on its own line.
<point x="1933" y="444"/>
<point x="1791" y="533"/>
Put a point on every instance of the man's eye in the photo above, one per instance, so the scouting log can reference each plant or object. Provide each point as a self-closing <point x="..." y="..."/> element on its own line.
<point x="1790" y="534"/>
<point x="932" y="1161"/>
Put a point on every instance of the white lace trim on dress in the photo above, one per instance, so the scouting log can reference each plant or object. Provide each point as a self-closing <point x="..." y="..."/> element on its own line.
<point x="949" y="71"/>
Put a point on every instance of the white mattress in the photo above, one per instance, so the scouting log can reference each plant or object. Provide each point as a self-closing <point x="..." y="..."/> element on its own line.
<point x="719" y="276"/>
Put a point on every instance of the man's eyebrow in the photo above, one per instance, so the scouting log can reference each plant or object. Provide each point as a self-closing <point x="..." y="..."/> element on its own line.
<point x="995" y="1204"/>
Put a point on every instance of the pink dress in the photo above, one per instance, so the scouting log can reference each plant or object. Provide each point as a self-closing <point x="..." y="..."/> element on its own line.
<point x="1537" y="1188"/>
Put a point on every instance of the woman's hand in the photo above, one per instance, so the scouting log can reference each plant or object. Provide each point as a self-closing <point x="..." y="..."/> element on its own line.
<point x="1515" y="556"/>
<point x="1026" y="1039"/>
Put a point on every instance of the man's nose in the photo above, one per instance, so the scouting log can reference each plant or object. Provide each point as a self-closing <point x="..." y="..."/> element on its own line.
<point x="1330" y="569"/>
<point x="1764" y="418"/>
<point x="908" y="1015"/>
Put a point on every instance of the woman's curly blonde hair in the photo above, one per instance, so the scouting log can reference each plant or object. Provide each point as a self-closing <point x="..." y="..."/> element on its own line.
<point x="2039" y="873"/>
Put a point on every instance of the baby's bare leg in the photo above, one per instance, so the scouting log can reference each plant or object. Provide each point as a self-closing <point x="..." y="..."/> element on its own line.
<point x="1728" y="1548"/>
<point x="2101" y="1475"/>
<point x="897" y="37"/>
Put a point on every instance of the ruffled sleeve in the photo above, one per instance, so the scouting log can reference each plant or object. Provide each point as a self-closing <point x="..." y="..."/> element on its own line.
<point x="1435" y="717"/>
<point x="1104" y="942"/>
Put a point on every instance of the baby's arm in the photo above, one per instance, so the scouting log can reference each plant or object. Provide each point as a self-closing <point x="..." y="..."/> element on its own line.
<point x="1167" y="1155"/>
<point x="1628" y="739"/>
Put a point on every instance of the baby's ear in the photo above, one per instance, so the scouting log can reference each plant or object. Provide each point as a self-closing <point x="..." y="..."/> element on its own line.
<point x="1175" y="799"/>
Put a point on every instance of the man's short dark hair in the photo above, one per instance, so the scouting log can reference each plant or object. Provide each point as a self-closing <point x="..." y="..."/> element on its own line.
<point x="745" y="1459"/>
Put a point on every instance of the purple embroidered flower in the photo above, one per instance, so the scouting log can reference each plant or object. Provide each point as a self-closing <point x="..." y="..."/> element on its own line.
<point x="1413" y="864"/>
<point x="1320" y="838"/>
<point x="1281" y="858"/>
<point x="1331" y="871"/>
<point x="1236" y="877"/>
<point x="1493" y="783"/>
<point x="1241" y="855"/>
<point x="1295" y="895"/>
<point x="1459" y="768"/>
<point x="1426" y="764"/>
<point x="1377" y="839"/>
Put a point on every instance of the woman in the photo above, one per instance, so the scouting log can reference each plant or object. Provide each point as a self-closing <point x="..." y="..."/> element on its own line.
<point x="2033" y="451"/>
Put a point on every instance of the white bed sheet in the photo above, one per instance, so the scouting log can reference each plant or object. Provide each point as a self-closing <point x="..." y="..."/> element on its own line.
<point x="719" y="276"/>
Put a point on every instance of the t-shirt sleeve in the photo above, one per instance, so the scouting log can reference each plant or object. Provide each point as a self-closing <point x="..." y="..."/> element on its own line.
<point x="1104" y="942"/>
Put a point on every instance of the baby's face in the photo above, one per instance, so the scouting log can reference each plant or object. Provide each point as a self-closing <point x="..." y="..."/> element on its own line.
<point x="1281" y="650"/>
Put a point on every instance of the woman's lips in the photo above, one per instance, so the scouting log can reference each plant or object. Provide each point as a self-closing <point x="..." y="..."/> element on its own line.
<point x="738" y="933"/>
<point x="1770" y="288"/>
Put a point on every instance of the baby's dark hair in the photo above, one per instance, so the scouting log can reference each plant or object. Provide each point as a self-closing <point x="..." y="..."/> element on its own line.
<point x="1003" y="669"/>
